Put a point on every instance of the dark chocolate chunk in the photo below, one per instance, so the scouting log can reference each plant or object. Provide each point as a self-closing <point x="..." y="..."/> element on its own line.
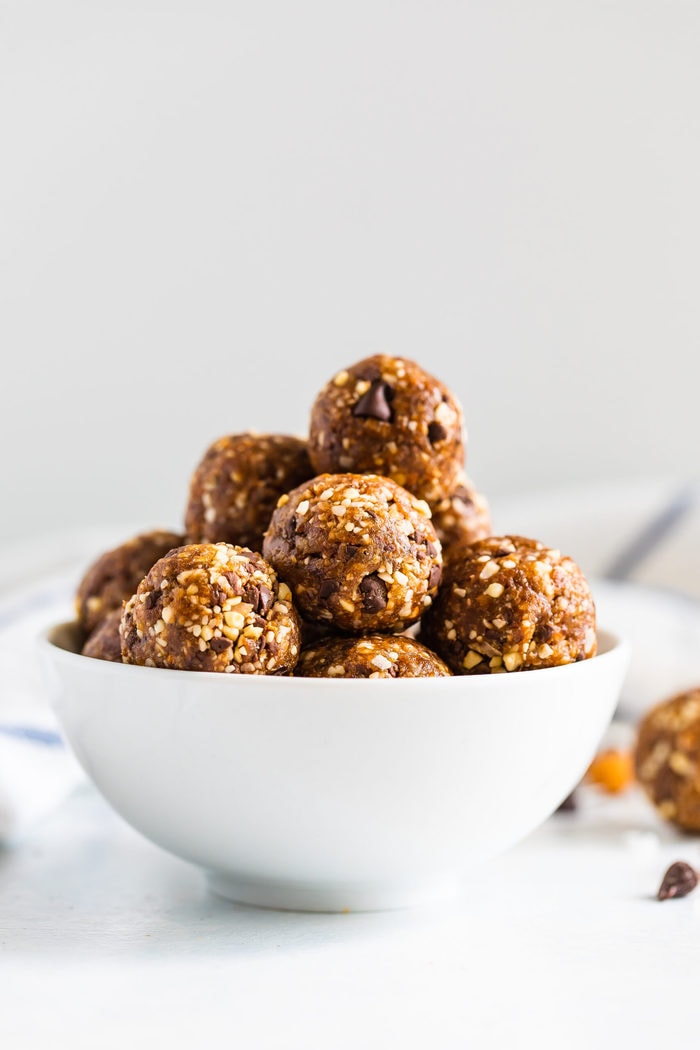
<point x="375" y="402"/>
<point x="436" y="432"/>
<point x="131" y="638"/>
<point x="679" y="881"/>
<point x="264" y="600"/>
<point x="258" y="596"/>
<point x="152" y="599"/>
<point x="373" y="591"/>
<point x="463" y="496"/>
<point x="569" y="804"/>
<point x="543" y="632"/>
<point x="435" y="576"/>
<point x="219" y="644"/>
<point x="350" y="549"/>
<point x="234" y="581"/>
<point x="327" y="588"/>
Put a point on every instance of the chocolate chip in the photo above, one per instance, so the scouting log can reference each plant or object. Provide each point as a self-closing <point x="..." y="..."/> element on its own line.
<point x="265" y="600"/>
<point x="431" y="548"/>
<point x="220" y="644"/>
<point x="463" y="496"/>
<point x="375" y="402"/>
<point x="679" y="881"/>
<point x="436" y="432"/>
<point x="542" y="633"/>
<point x="435" y="576"/>
<point x="350" y="549"/>
<point x="259" y="596"/>
<point x="569" y="805"/>
<point x="152" y="598"/>
<point x="327" y="588"/>
<point x="373" y="591"/>
<point x="370" y="372"/>
<point x="234" y="582"/>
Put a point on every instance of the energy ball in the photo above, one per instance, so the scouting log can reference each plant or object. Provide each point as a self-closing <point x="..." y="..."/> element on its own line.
<point x="374" y="656"/>
<point x="235" y="488"/>
<point x="212" y="607"/>
<point x="667" y="758"/>
<point x="511" y="604"/>
<point x="385" y="415"/>
<point x="461" y="518"/>
<point x="105" y="641"/>
<point x="358" y="551"/>
<point x="116" y="574"/>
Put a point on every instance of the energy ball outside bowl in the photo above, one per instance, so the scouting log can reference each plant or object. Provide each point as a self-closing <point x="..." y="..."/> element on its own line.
<point x="386" y="415"/>
<point x="105" y="641"/>
<point x="461" y="518"/>
<point x="511" y="604"/>
<point x="116" y="574"/>
<point x="373" y="656"/>
<point x="667" y="758"/>
<point x="212" y="607"/>
<point x="359" y="552"/>
<point x="235" y="487"/>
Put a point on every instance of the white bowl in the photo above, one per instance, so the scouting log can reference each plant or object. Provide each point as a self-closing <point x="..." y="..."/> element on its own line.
<point x="327" y="795"/>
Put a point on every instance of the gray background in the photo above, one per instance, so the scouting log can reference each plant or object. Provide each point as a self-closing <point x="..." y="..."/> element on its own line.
<point x="206" y="212"/>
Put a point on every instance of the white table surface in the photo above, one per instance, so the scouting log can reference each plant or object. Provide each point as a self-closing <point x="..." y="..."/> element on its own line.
<point x="106" y="941"/>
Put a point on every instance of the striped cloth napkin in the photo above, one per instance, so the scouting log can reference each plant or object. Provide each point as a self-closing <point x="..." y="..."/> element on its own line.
<point x="37" y="772"/>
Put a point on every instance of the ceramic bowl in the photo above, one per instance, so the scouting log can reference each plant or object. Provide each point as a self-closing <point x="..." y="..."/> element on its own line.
<point x="326" y="794"/>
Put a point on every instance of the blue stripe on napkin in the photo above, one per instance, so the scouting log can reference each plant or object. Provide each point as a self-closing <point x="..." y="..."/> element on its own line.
<point x="33" y="734"/>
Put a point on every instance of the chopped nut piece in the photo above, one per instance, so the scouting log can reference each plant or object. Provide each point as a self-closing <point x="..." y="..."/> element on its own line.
<point x="489" y="569"/>
<point x="472" y="659"/>
<point x="512" y="661"/>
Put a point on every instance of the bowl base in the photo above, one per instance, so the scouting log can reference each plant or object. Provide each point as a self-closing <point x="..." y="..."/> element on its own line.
<point x="329" y="896"/>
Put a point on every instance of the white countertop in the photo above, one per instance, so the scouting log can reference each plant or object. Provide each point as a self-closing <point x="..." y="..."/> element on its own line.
<point x="107" y="941"/>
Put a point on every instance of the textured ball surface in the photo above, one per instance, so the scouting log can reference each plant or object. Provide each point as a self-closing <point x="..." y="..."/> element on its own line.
<point x="511" y="604"/>
<point x="386" y="415"/>
<point x="358" y="551"/>
<point x="212" y="607"/>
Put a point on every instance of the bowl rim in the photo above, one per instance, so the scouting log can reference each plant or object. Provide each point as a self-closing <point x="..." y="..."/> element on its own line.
<point x="613" y="646"/>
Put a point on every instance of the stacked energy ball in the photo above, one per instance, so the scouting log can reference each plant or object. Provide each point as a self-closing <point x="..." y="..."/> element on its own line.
<point x="314" y="558"/>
